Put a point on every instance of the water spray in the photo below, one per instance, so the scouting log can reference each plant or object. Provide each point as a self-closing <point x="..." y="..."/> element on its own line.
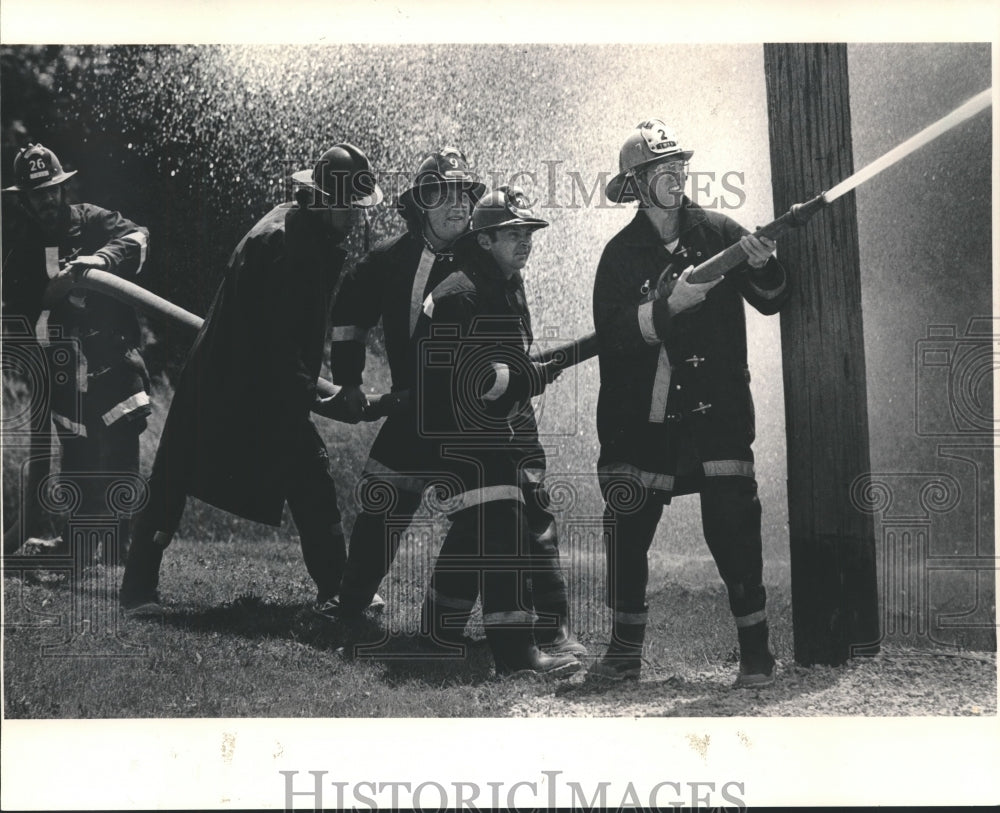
<point x="585" y="347"/>
<point x="726" y="260"/>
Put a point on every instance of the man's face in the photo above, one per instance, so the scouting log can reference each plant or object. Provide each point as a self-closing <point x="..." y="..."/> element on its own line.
<point x="662" y="184"/>
<point x="510" y="248"/>
<point x="45" y="205"/>
<point x="344" y="218"/>
<point x="448" y="213"/>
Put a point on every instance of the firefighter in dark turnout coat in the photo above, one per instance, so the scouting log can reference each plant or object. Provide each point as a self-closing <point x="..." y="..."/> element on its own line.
<point x="675" y="414"/>
<point x="239" y="433"/>
<point x="390" y="284"/>
<point x="475" y="399"/>
<point x="99" y="388"/>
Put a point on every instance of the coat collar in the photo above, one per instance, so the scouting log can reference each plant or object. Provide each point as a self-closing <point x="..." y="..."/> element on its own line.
<point x="483" y="270"/>
<point x="418" y="242"/>
<point x="640" y="232"/>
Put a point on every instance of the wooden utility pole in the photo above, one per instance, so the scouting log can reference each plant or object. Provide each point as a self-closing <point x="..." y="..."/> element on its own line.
<point x="834" y="590"/>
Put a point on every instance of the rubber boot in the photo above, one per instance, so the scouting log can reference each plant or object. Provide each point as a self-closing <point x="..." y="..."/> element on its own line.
<point x="623" y="659"/>
<point x="553" y="633"/>
<point x="138" y="594"/>
<point x="515" y="653"/>
<point x="756" y="660"/>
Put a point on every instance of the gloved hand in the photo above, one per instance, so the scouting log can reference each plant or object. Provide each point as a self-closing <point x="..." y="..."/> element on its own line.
<point x="687" y="295"/>
<point x="544" y="374"/>
<point x="87" y="261"/>
<point x="61" y="284"/>
<point x="349" y="405"/>
<point x="758" y="249"/>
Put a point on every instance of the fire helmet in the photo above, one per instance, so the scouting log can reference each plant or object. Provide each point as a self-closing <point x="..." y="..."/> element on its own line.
<point x="651" y="142"/>
<point x="445" y="167"/>
<point x="504" y="206"/>
<point x="37" y="167"/>
<point x="345" y="177"/>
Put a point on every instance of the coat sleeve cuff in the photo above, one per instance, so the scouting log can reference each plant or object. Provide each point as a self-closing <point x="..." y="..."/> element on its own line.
<point x="647" y="326"/>
<point x="768" y="281"/>
<point x="661" y="317"/>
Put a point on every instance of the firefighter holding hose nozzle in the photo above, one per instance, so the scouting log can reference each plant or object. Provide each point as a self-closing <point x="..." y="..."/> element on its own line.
<point x="674" y="414"/>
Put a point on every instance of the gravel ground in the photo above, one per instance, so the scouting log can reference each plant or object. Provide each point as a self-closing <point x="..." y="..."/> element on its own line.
<point x="897" y="682"/>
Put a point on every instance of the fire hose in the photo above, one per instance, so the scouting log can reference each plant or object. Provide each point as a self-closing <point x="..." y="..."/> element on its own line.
<point x="380" y="406"/>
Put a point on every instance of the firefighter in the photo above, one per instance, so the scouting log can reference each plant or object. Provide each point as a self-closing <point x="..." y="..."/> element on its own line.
<point x="475" y="391"/>
<point x="239" y="433"/>
<point x="390" y="284"/>
<point x="99" y="387"/>
<point x="675" y="415"/>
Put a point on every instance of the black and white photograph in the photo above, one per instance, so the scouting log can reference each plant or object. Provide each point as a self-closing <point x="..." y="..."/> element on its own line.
<point x="422" y="406"/>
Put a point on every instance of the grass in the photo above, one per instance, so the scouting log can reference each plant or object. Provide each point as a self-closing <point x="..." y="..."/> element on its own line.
<point x="240" y="641"/>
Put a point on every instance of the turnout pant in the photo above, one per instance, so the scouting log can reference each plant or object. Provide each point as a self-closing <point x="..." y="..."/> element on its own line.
<point x="398" y="469"/>
<point x="485" y="551"/>
<point x="390" y="495"/>
<point x="730" y="513"/>
<point x="312" y="500"/>
<point x="91" y="462"/>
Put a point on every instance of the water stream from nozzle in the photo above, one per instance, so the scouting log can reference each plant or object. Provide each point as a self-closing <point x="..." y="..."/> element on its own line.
<point x="966" y="111"/>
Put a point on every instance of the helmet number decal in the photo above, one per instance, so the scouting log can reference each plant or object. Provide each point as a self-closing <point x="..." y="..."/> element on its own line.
<point x="657" y="136"/>
<point x="518" y="203"/>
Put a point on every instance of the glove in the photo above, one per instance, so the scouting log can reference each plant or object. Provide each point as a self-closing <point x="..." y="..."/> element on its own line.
<point x="349" y="405"/>
<point x="544" y="373"/>
<point x="758" y="250"/>
<point x="686" y="295"/>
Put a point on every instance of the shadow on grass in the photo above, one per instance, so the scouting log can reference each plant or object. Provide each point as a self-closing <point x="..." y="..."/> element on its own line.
<point x="256" y="618"/>
<point x="407" y="662"/>
<point x="358" y="639"/>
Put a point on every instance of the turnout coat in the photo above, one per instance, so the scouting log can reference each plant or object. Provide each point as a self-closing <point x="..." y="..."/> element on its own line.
<point x="240" y="416"/>
<point x="477" y="382"/>
<point x="675" y="401"/>
<point x="390" y="284"/>
<point x="98" y="378"/>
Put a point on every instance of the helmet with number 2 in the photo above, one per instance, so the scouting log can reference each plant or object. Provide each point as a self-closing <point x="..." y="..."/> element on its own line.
<point x="651" y="142"/>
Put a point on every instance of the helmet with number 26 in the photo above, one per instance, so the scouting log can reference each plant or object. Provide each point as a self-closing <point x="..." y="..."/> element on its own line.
<point x="37" y="167"/>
